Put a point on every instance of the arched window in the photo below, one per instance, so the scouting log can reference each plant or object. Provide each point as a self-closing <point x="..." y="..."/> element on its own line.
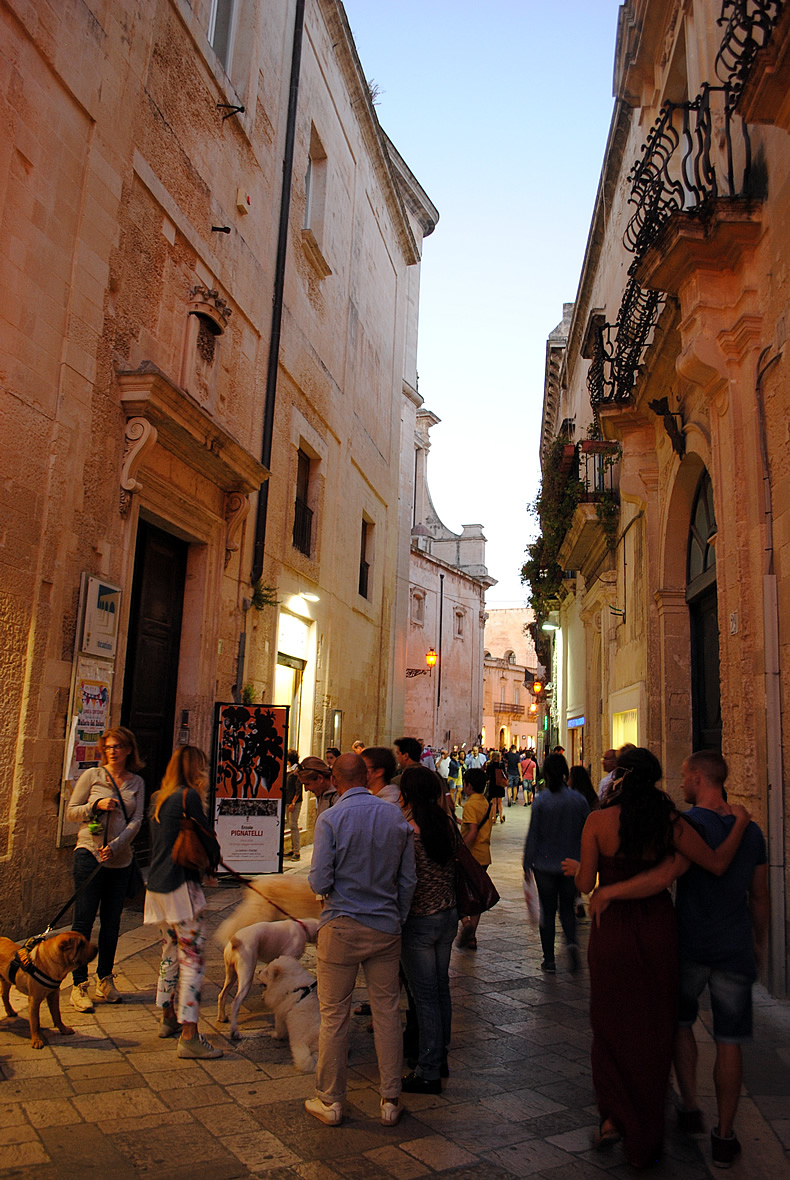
<point x="702" y="601"/>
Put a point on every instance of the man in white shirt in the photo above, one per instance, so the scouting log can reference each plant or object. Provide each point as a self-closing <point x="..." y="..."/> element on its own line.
<point x="609" y="761"/>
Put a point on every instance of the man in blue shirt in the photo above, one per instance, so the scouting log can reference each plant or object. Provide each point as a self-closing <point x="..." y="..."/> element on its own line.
<point x="722" y="928"/>
<point x="363" y="866"/>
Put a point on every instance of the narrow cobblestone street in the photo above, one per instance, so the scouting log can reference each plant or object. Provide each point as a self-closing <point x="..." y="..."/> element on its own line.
<point x="115" y="1101"/>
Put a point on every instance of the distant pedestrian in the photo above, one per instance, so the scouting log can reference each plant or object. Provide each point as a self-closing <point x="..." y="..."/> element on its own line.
<point x="293" y="804"/>
<point x="381" y="766"/>
<point x="476" y="823"/>
<point x="555" y="831"/>
<point x="496" y="779"/>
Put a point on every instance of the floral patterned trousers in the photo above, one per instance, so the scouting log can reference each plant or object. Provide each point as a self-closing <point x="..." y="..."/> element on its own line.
<point x="182" y="967"/>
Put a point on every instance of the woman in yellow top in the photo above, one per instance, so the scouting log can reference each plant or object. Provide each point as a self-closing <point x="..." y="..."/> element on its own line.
<point x="476" y="822"/>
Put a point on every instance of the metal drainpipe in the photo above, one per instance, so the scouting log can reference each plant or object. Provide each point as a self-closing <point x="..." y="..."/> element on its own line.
<point x="773" y="712"/>
<point x="279" y="286"/>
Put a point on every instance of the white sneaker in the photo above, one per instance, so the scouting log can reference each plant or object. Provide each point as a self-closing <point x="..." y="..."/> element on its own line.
<point x="330" y="1113"/>
<point x="197" y="1047"/>
<point x="80" y="998"/>
<point x="107" y="991"/>
<point x="390" y="1112"/>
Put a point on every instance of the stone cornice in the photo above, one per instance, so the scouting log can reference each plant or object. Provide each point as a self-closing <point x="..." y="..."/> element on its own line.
<point x="342" y="41"/>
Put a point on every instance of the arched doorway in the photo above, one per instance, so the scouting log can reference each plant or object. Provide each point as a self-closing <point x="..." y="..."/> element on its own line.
<point x="702" y="602"/>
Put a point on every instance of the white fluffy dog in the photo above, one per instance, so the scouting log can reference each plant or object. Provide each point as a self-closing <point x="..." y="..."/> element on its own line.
<point x="290" y="993"/>
<point x="271" y="899"/>
<point x="259" y="943"/>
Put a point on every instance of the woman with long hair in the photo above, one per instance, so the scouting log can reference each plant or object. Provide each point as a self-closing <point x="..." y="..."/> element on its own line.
<point x="633" y="955"/>
<point x="555" y="831"/>
<point x="430" y="928"/>
<point x="175" y="903"/>
<point x="580" y="781"/>
<point x="107" y="802"/>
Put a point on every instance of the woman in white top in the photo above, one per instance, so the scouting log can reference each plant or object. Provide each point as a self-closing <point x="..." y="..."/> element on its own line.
<point x="107" y="803"/>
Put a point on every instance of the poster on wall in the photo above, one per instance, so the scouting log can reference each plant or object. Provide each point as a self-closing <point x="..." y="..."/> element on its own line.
<point x="250" y="744"/>
<point x="89" y="716"/>
<point x="100" y="619"/>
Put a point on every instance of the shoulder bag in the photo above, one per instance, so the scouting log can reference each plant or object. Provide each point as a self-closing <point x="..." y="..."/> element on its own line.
<point x="136" y="883"/>
<point x="475" y="892"/>
<point x="188" y="851"/>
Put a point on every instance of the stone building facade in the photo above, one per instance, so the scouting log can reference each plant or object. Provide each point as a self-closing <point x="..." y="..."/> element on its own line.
<point x="211" y="257"/>
<point x="509" y="670"/>
<point x="665" y="442"/>
<point x="448" y="579"/>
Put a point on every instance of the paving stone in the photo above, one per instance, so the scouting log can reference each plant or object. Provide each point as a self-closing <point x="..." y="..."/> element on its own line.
<point x="88" y="1153"/>
<point x="439" y="1153"/>
<point x="51" y="1112"/>
<point x="106" y="1105"/>
<point x="261" y="1151"/>
<point x="391" y="1161"/>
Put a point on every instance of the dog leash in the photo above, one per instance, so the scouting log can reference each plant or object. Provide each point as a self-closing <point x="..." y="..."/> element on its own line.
<point x="249" y="885"/>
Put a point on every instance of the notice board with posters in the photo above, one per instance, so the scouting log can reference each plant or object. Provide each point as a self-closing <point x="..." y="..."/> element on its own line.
<point x="250" y="744"/>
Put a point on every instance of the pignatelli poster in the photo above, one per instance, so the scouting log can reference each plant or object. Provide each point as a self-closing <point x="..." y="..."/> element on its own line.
<point x="250" y="743"/>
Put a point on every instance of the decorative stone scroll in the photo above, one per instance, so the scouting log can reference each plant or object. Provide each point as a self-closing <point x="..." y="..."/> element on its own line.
<point x="140" y="438"/>
<point x="237" y="507"/>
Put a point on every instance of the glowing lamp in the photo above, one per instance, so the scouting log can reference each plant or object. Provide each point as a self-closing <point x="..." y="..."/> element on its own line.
<point x="431" y="658"/>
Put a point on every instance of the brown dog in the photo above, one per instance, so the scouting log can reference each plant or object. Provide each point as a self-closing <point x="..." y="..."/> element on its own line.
<point x="53" y="959"/>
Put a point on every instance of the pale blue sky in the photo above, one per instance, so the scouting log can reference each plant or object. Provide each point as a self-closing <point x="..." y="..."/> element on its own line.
<point x="501" y="109"/>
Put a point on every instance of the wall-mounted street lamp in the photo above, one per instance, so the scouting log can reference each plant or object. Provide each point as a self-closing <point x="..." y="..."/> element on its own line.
<point x="431" y="658"/>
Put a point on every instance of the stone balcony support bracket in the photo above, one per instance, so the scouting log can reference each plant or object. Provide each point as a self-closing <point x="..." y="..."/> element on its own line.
<point x="160" y="412"/>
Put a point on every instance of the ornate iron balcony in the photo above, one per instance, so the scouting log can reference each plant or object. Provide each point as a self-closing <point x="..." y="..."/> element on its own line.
<point x="696" y="152"/>
<point x="750" y="24"/>
<point x="619" y="347"/>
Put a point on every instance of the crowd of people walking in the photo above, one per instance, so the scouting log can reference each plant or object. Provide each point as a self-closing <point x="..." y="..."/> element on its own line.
<point x="389" y="824"/>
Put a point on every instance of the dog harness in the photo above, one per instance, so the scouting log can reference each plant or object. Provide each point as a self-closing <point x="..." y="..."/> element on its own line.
<point x="304" y="990"/>
<point x="23" y="962"/>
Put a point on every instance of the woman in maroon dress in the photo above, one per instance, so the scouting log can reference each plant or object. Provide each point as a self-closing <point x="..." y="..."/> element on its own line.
<point x="632" y="953"/>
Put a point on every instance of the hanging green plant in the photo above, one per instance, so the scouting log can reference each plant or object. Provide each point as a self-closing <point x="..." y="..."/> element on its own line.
<point x="263" y="595"/>
<point x="607" y="509"/>
<point x="559" y="494"/>
<point x="248" y="695"/>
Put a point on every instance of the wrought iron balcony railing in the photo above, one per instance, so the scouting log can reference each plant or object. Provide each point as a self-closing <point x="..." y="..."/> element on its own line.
<point x="619" y="346"/>
<point x="749" y="25"/>
<point x="696" y="152"/>
<point x="504" y="707"/>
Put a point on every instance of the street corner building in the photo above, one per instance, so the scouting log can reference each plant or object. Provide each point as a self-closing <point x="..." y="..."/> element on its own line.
<point x="662" y="572"/>
<point x="211" y="258"/>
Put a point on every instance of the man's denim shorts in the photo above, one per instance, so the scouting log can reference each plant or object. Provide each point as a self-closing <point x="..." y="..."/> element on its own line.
<point x="730" y="1001"/>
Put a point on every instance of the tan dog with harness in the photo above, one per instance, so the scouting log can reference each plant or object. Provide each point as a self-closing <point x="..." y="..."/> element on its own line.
<point x="38" y="972"/>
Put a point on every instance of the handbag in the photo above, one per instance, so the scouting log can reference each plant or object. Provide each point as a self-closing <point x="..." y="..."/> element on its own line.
<point x="475" y="892"/>
<point x="188" y="849"/>
<point x="531" y="900"/>
<point x="501" y="777"/>
<point x="136" y="882"/>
